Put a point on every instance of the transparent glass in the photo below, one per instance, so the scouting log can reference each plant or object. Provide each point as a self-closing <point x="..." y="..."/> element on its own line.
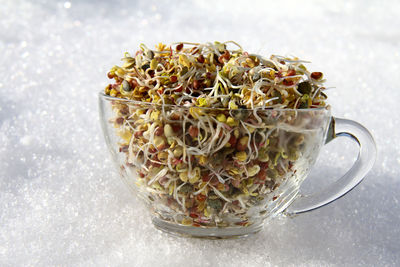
<point x="203" y="174"/>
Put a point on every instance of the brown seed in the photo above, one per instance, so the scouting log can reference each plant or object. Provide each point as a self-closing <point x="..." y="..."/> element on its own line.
<point x="197" y="84"/>
<point x="201" y="197"/>
<point x="195" y="50"/>
<point x="232" y="141"/>
<point x="173" y="79"/>
<point x="179" y="89"/>
<point x="133" y="83"/>
<point x="287" y="82"/>
<point x="193" y="215"/>
<point x="159" y="131"/>
<point x="200" y="59"/>
<point x="316" y="75"/>
<point x="214" y="181"/>
<point x="179" y="47"/>
<point x="224" y="57"/>
<point x="176" y="128"/>
<point x="124" y="110"/>
<point x="175" y="116"/>
<point x="291" y="73"/>
<point x="278" y="74"/>
<point x="119" y="120"/>
<point x="155" y="164"/>
<point x="206" y="177"/>
<point x="227" y="55"/>
<point x="262" y="174"/>
<point x="110" y="75"/>
<point x="193" y="131"/>
<point x="242" y="144"/>
<point x="138" y="134"/>
<point x="236" y="183"/>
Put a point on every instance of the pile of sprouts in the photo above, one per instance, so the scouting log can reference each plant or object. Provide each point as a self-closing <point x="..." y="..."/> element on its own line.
<point x="207" y="132"/>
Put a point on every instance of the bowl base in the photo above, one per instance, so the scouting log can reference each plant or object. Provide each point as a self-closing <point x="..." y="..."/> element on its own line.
<point x="207" y="233"/>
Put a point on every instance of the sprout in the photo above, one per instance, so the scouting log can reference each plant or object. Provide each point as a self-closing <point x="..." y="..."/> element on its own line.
<point x="217" y="157"/>
<point x="232" y="122"/>
<point x="221" y="117"/>
<point x="241" y="156"/>
<point x="184" y="176"/>
<point x="253" y="170"/>
<point x="168" y="132"/>
<point x="178" y="152"/>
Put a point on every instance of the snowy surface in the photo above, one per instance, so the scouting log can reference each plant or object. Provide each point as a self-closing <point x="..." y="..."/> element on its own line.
<point x="61" y="201"/>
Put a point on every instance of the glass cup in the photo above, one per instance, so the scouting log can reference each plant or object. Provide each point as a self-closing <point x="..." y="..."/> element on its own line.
<point x="219" y="173"/>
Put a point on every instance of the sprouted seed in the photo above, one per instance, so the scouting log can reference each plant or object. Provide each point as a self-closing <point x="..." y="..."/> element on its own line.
<point x="196" y="133"/>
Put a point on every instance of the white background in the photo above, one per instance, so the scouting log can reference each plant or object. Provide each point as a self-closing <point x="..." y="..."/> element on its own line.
<point x="61" y="201"/>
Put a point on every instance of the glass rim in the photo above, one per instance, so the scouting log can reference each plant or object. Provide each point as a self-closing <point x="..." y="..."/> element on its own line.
<point x="113" y="98"/>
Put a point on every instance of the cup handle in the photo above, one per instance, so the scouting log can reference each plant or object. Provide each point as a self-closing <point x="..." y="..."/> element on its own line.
<point x="363" y="164"/>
